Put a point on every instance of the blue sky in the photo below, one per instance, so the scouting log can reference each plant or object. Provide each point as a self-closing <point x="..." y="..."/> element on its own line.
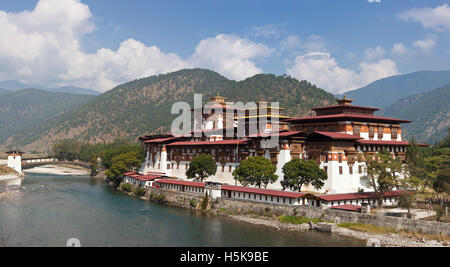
<point x="338" y="45"/>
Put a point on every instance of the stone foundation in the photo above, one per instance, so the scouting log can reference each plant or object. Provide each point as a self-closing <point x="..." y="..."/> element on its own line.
<point x="186" y="200"/>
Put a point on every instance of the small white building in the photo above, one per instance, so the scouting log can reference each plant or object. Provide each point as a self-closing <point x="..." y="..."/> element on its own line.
<point x="15" y="160"/>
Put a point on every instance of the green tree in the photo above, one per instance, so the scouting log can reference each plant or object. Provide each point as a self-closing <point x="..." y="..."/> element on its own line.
<point x="383" y="172"/>
<point x="298" y="172"/>
<point x="416" y="174"/>
<point x="442" y="182"/>
<point x="67" y="149"/>
<point x="201" y="167"/>
<point x="406" y="201"/>
<point x="122" y="163"/>
<point x="256" y="171"/>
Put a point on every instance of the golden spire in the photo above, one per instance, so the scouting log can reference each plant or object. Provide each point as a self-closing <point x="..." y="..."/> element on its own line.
<point x="345" y="101"/>
<point x="218" y="99"/>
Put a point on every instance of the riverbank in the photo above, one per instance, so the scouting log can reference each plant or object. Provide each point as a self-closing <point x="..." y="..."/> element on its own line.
<point x="269" y="215"/>
<point x="65" y="170"/>
<point x="386" y="240"/>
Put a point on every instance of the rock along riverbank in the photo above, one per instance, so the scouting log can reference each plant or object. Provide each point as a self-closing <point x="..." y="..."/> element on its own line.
<point x="393" y="240"/>
<point x="386" y="240"/>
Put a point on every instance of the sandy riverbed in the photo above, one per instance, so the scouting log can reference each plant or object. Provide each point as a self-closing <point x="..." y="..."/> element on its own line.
<point x="57" y="170"/>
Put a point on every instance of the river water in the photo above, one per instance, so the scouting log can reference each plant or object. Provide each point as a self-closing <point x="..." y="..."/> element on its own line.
<point x="52" y="209"/>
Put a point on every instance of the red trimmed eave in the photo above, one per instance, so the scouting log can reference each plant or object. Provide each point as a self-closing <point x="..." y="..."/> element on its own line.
<point x="279" y="134"/>
<point x="347" y="116"/>
<point x="353" y="196"/>
<point x="260" y="191"/>
<point x="160" y="140"/>
<point x="345" y="106"/>
<point x="213" y="130"/>
<point x="335" y="135"/>
<point x="383" y="143"/>
<point x="347" y="207"/>
<point x="210" y="143"/>
<point x="180" y="182"/>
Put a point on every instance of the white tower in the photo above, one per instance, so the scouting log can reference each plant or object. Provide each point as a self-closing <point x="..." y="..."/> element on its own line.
<point x="15" y="160"/>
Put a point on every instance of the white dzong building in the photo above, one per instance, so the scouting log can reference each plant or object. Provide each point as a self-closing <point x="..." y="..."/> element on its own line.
<point x="335" y="138"/>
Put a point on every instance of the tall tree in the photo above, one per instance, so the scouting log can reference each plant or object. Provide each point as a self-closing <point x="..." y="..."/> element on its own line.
<point x="416" y="172"/>
<point x="384" y="173"/>
<point x="201" y="167"/>
<point x="256" y="171"/>
<point x="299" y="172"/>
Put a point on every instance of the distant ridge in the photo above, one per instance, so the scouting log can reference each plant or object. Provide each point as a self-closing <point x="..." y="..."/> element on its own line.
<point x="144" y="106"/>
<point x="429" y="111"/>
<point x="27" y="108"/>
<point x="13" y="85"/>
<point x="3" y="91"/>
<point x="385" y="92"/>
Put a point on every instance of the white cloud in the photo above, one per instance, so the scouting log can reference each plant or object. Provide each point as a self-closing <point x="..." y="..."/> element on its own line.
<point x="43" y="46"/>
<point x="374" y="53"/>
<point x="374" y="1"/>
<point x="267" y="30"/>
<point x="291" y="42"/>
<point x="399" y="49"/>
<point x="230" y="55"/>
<point x="426" y="45"/>
<point x="437" y="18"/>
<point x="323" y="70"/>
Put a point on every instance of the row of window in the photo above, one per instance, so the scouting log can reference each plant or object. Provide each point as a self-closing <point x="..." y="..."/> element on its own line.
<point x="260" y="197"/>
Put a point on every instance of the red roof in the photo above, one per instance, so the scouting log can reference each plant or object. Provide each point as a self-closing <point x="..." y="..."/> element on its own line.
<point x="349" y="106"/>
<point x="351" y="196"/>
<point x="280" y="134"/>
<point x="181" y="182"/>
<point x="212" y="143"/>
<point x="380" y="142"/>
<point x="160" y="140"/>
<point x="335" y="135"/>
<point x="347" y="207"/>
<point x="391" y="143"/>
<point x="347" y="116"/>
<point x="268" y="192"/>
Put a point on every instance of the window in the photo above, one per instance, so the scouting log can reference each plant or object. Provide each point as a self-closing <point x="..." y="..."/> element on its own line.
<point x="340" y="170"/>
<point x="394" y="134"/>
<point x="360" y="169"/>
<point x="229" y="169"/>
<point x="350" y="168"/>
<point x="340" y="157"/>
<point x="357" y="130"/>
<point x="325" y="169"/>
<point x="371" y="132"/>
<point x="380" y="132"/>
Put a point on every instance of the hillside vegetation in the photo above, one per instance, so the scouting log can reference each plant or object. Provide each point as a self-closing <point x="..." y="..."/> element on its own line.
<point x="144" y="106"/>
<point x="27" y="108"/>
<point x="430" y="113"/>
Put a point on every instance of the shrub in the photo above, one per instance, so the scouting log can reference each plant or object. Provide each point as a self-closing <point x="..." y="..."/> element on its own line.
<point x="140" y="192"/>
<point x="440" y="211"/>
<point x="193" y="203"/>
<point x="126" y="187"/>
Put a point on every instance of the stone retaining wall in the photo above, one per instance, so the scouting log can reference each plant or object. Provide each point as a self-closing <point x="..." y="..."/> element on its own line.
<point x="182" y="199"/>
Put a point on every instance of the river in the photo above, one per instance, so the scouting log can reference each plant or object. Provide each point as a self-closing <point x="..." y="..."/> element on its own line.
<point x="52" y="209"/>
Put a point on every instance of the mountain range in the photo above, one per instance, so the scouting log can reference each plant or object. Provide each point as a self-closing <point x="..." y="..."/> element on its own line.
<point x="24" y="109"/>
<point x="144" y="106"/>
<point x="13" y="85"/>
<point x="384" y="92"/>
<point x="429" y="113"/>
<point x="33" y="119"/>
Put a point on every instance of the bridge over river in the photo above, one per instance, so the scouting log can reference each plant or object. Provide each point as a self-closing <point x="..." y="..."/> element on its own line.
<point x="36" y="162"/>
